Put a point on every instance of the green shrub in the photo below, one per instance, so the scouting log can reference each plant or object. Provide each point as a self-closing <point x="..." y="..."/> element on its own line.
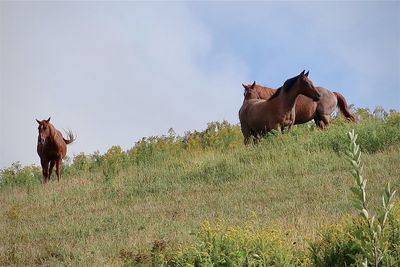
<point x="81" y="163"/>
<point x="221" y="245"/>
<point x="335" y="246"/>
<point x="113" y="161"/>
<point x="16" y="175"/>
<point x="218" y="135"/>
<point x="392" y="258"/>
<point x="393" y="119"/>
<point x="370" y="240"/>
<point x="377" y="132"/>
<point x="371" y="234"/>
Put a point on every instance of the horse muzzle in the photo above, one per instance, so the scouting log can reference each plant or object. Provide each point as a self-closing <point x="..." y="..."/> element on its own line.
<point x="42" y="141"/>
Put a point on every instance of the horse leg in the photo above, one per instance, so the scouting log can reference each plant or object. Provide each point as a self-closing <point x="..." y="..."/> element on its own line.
<point x="45" y="170"/>
<point x="58" y="169"/>
<point x="279" y="128"/>
<point x="323" y="121"/>
<point x="256" y="139"/>
<point x="326" y="119"/>
<point x="318" y="121"/>
<point x="52" y="163"/>
<point x="247" y="140"/>
<point x="246" y="135"/>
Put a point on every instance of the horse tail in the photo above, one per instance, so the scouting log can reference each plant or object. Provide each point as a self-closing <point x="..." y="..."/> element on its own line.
<point x="344" y="108"/>
<point x="71" y="137"/>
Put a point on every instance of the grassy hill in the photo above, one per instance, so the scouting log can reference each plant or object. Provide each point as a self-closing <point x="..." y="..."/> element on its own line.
<point x="168" y="194"/>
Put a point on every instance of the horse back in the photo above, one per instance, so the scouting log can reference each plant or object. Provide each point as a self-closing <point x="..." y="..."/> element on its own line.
<point x="60" y="144"/>
<point x="265" y="92"/>
<point x="328" y="101"/>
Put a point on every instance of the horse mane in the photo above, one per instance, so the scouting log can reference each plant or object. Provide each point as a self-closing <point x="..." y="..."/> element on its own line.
<point x="53" y="131"/>
<point x="285" y="87"/>
<point x="276" y="93"/>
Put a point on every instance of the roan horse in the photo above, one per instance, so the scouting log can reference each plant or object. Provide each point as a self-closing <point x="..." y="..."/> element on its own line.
<point x="52" y="148"/>
<point x="259" y="116"/>
<point x="306" y="109"/>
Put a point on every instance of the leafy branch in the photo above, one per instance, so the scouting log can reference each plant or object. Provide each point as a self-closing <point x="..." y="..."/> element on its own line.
<point x="372" y="236"/>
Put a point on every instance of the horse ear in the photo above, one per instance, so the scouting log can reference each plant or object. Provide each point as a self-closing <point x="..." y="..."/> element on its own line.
<point x="48" y="120"/>
<point x="244" y="86"/>
<point x="38" y="121"/>
<point x="302" y="73"/>
<point x="254" y="84"/>
<point x="307" y="73"/>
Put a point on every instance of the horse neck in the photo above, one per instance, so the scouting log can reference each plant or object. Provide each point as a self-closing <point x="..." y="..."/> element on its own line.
<point x="265" y="92"/>
<point x="288" y="98"/>
<point x="53" y="133"/>
<point x="249" y="96"/>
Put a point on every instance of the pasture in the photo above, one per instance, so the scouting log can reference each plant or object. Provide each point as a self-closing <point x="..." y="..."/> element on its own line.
<point x="155" y="201"/>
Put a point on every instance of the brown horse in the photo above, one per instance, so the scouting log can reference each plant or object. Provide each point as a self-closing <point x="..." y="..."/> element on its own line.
<point x="259" y="116"/>
<point x="52" y="148"/>
<point x="306" y="109"/>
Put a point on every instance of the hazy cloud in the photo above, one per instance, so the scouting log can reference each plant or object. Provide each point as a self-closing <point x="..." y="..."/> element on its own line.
<point x="112" y="73"/>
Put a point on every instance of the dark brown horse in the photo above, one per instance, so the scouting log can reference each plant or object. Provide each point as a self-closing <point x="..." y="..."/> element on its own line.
<point x="52" y="148"/>
<point x="306" y="109"/>
<point x="259" y="116"/>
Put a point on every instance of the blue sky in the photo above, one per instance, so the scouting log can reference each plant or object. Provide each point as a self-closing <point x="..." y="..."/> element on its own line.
<point x="114" y="72"/>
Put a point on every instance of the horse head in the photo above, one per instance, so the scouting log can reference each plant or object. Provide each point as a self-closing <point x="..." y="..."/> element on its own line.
<point x="250" y="92"/>
<point x="44" y="130"/>
<point x="306" y="87"/>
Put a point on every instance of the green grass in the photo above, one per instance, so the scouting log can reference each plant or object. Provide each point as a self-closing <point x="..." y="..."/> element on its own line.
<point x="108" y="209"/>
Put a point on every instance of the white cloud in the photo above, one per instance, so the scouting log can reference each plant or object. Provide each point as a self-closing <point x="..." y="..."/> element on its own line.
<point x="351" y="47"/>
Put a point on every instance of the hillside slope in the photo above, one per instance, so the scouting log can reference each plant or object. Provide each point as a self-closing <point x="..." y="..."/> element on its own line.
<point x="164" y="188"/>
